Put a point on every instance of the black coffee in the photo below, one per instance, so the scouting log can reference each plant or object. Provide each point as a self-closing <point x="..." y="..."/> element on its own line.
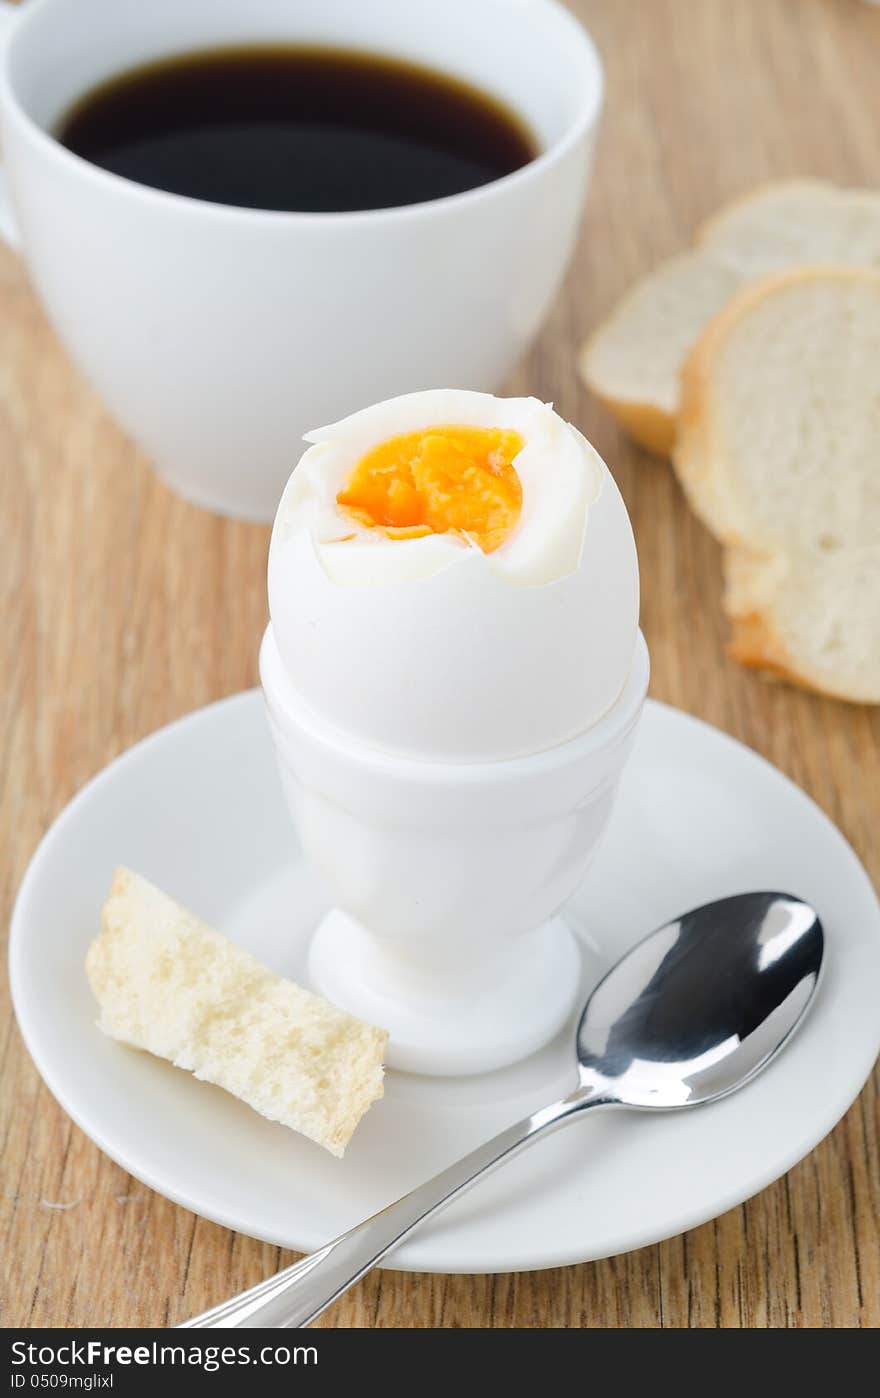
<point x="293" y="128"/>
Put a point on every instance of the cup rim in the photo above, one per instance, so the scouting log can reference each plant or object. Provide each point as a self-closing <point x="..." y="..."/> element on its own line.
<point x="291" y="714"/>
<point x="587" y="115"/>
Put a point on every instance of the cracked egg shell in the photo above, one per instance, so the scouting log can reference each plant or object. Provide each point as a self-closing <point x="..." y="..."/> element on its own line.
<point x="429" y="648"/>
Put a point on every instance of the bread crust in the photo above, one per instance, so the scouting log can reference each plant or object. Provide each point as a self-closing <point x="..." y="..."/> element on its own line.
<point x="756" y="643"/>
<point x="649" y="426"/>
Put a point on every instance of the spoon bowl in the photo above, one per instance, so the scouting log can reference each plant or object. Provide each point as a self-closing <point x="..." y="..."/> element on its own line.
<point x="699" y="1006"/>
<point x="692" y="1013"/>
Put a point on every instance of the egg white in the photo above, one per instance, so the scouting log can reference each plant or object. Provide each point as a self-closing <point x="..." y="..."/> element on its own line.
<point x="429" y="647"/>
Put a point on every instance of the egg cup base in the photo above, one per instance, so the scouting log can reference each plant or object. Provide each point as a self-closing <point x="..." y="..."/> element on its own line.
<point x="447" y="878"/>
<point x="485" y="1017"/>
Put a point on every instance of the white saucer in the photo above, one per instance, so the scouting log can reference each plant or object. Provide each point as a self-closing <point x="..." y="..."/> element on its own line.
<point x="198" y="809"/>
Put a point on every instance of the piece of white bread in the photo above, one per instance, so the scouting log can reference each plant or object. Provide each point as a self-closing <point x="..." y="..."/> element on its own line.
<point x="633" y="360"/>
<point x="779" y="454"/>
<point x="168" y="983"/>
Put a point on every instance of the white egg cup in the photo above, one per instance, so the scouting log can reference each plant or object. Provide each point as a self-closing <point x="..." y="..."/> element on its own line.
<point x="449" y="878"/>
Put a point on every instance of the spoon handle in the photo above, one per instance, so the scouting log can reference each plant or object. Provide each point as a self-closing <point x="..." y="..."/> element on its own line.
<point x="299" y="1294"/>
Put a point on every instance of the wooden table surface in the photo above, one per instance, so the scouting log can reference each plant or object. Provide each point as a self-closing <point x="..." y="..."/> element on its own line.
<point x="122" y="607"/>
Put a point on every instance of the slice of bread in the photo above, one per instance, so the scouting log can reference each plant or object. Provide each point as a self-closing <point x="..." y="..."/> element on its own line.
<point x="779" y="454"/>
<point x="633" y="360"/>
<point x="168" y="983"/>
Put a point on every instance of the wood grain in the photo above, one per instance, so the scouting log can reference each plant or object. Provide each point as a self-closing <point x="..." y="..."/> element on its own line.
<point x="123" y="607"/>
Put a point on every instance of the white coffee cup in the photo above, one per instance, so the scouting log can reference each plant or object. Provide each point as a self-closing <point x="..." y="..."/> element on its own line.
<point x="219" y="335"/>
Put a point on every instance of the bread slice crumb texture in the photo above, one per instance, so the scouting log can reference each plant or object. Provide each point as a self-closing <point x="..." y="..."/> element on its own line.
<point x="168" y="983"/>
<point x="779" y="453"/>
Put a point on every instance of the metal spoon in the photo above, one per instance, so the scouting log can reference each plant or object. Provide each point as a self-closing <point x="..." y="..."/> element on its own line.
<point x="689" y="1015"/>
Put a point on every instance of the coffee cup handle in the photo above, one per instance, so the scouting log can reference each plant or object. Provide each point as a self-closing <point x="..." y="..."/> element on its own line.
<point x="8" y="226"/>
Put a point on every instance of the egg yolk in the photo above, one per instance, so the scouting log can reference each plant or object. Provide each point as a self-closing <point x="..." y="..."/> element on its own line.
<point x="440" y="480"/>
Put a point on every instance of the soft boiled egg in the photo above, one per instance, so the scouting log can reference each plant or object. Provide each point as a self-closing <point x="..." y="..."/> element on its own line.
<point x="452" y="576"/>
